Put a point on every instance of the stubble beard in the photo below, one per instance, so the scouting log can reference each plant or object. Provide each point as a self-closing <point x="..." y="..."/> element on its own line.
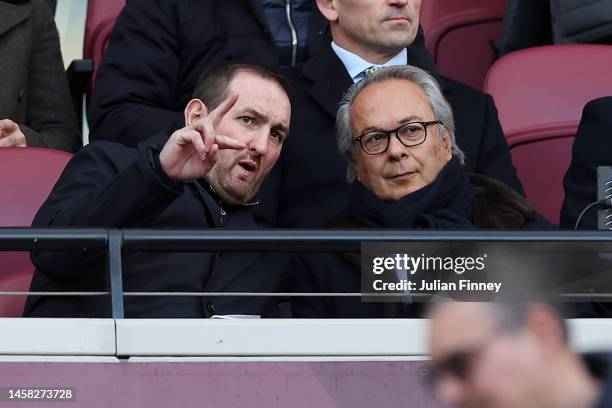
<point x="231" y="188"/>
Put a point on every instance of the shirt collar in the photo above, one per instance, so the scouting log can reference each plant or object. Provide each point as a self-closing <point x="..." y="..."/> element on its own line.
<point x="355" y="65"/>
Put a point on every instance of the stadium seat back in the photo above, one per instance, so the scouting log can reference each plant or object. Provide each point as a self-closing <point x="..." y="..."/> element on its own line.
<point x="101" y="16"/>
<point x="29" y="174"/>
<point x="540" y="93"/>
<point x="460" y="35"/>
<point x="541" y="160"/>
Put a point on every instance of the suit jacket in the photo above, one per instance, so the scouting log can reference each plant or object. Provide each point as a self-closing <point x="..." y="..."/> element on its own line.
<point x="157" y="51"/>
<point x="110" y="186"/>
<point x="32" y="78"/>
<point x="307" y="185"/>
<point x="592" y="148"/>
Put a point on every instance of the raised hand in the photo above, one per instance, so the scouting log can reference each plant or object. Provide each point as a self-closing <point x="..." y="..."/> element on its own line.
<point x="11" y="135"/>
<point x="191" y="152"/>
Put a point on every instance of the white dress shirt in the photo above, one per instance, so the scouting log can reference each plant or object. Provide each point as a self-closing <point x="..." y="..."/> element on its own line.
<point x="355" y="65"/>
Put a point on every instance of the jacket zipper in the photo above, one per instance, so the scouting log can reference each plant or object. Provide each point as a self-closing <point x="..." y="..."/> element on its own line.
<point x="223" y="213"/>
<point x="294" y="38"/>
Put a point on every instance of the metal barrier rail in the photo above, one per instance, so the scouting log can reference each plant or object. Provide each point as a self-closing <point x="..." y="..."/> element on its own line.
<point x="116" y="241"/>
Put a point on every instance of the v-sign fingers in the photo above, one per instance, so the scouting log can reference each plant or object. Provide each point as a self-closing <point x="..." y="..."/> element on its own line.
<point x="220" y="111"/>
<point x="226" y="142"/>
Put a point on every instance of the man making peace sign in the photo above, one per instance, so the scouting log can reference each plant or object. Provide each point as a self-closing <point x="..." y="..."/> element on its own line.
<point x="206" y="175"/>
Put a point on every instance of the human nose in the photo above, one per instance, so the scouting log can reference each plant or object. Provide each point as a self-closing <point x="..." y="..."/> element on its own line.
<point x="396" y="149"/>
<point x="259" y="143"/>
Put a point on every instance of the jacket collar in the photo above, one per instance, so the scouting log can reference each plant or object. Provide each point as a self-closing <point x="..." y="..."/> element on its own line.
<point x="355" y="65"/>
<point x="329" y="80"/>
<point x="13" y="13"/>
<point x="205" y="184"/>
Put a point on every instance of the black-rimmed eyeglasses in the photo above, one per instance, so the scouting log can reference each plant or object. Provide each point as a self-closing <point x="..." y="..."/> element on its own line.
<point x="409" y="134"/>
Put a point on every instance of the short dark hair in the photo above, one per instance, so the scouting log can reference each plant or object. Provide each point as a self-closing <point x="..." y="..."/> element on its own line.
<point x="212" y="86"/>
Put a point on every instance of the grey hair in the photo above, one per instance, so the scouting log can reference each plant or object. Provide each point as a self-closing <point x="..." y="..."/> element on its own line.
<point x="439" y="105"/>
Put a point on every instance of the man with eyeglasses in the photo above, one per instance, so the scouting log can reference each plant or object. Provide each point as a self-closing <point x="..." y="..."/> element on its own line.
<point x="396" y="131"/>
<point x="512" y="355"/>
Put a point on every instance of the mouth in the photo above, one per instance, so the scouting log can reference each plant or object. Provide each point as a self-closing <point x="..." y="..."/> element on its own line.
<point x="248" y="165"/>
<point x="398" y="19"/>
<point x="402" y="176"/>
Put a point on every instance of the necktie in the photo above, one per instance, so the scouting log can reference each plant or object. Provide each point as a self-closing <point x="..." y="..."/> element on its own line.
<point x="370" y="70"/>
<point x="366" y="73"/>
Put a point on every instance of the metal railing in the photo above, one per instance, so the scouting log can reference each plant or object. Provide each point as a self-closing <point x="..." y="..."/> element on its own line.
<point x="116" y="241"/>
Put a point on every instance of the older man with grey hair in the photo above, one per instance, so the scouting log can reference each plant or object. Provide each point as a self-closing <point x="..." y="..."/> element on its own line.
<point x="438" y="104"/>
<point x="396" y="130"/>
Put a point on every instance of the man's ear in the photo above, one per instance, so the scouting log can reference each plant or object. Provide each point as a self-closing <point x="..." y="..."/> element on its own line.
<point x="194" y="111"/>
<point x="446" y="142"/>
<point x="543" y="322"/>
<point x="328" y="9"/>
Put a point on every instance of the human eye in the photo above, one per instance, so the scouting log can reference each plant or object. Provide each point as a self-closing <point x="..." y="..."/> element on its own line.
<point x="246" y="120"/>
<point x="374" y="139"/>
<point x="412" y="131"/>
<point x="376" y="136"/>
<point x="413" y="128"/>
<point x="276" y="136"/>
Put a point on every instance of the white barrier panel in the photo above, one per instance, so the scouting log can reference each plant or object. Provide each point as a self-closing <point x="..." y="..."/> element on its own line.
<point x="272" y="337"/>
<point x="306" y="337"/>
<point x="76" y="337"/>
<point x="275" y="338"/>
<point x="590" y="334"/>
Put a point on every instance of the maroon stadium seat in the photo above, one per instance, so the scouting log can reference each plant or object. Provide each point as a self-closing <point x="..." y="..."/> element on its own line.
<point x="540" y="93"/>
<point x="28" y="176"/>
<point x="101" y="16"/>
<point x="459" y="34"/>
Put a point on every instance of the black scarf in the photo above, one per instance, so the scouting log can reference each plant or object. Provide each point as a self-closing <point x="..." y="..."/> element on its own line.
<point x="446" y="203"/>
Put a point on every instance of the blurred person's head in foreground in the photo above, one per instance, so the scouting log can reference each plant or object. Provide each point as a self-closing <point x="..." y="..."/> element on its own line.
<point x="507" y="355"/>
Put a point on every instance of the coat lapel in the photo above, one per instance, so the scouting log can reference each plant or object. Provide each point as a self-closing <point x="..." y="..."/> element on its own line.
<point x="12" y="15"/>
<point x="328" y="79"/>
<point x="419" y="56"/>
